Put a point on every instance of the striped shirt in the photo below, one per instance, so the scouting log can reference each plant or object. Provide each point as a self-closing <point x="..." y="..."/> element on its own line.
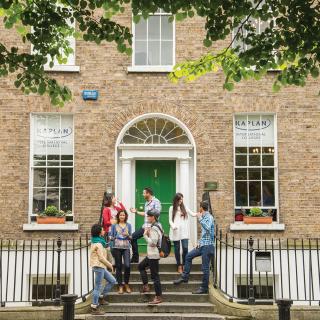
<point x="154" y="203"/>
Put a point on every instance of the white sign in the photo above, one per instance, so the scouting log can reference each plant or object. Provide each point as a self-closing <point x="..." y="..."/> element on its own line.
<point x="52" y="134"/>
<point x="254" y="130"/>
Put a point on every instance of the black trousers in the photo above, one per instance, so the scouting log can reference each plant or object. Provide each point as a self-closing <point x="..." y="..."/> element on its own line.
<point x="134" y="242"/>
<point x="119" y="256"/>
<point x="153" y="264"/>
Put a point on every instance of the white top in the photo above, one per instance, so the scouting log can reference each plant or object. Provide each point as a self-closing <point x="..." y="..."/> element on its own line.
<point x="180" y="227"/>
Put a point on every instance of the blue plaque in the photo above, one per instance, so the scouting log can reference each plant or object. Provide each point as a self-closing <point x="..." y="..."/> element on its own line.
<point x="90" y="94"/>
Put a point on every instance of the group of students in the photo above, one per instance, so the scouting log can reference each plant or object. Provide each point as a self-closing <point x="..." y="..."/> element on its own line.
<point x="112" y="239"/>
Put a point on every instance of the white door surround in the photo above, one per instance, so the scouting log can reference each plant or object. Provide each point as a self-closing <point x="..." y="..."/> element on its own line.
<point x="184" y="154"/>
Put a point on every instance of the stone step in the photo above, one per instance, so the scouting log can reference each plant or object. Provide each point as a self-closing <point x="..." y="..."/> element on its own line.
<point x="167" y="286"/>
<point x="168" y="267"/>
<point x="167" y="297"/>
<point x="165" y="307"/>
<point x="168" y="276"/>
<point x="158" y="316"/>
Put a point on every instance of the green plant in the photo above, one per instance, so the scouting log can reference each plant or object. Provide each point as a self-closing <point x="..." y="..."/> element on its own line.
<point x="256" y="212"/>
<point x="52" y="211"/>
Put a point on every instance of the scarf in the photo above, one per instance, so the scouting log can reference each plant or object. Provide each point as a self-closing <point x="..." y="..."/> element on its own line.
<point x="99" y="240"/>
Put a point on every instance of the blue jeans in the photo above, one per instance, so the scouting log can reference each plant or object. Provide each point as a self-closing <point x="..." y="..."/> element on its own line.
<point x="100" y="274"/>
<point x="184" y="243"/>
<point x="207" y="253"/>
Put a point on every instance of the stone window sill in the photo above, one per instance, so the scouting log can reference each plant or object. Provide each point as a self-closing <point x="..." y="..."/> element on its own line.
<point x="240" y="226"/>
<point x="50" y="227"/>
<point x="164" y="69"/>
<point x="62" y="68"/>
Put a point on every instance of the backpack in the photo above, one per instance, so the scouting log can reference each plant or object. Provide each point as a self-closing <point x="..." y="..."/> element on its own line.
<point x="165" y="244"/>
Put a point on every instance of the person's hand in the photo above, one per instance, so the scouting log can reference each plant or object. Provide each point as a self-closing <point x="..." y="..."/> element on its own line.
<point x="175" y="228"/>
<point x="199" y="215"/>
<point x="133" y="210"/>
<point x="112" y="269"/>
<point x="147" y="231"/>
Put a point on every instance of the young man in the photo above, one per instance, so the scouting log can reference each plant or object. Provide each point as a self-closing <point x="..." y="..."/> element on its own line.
<point x="205" y="249"/>
<point x="152" y="203"/>
<point x="152" y="234"/>
<point x="99" y="265"/>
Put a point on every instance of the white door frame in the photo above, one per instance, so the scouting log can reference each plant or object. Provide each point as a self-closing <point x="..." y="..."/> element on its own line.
<point x="185" y="156"/>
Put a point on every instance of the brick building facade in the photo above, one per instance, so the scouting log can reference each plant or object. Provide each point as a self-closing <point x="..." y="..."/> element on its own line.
<point x="205" y="109"/>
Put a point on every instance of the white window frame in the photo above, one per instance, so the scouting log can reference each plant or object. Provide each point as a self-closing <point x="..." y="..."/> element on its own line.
<point x="70" y="66"/>
<point x="31" y="166"/>
<point x="150" y="68"/>
<point x="275" y="166"/>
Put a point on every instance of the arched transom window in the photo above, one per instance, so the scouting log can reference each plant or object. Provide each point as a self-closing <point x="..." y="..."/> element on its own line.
<point x="155" y="130"/>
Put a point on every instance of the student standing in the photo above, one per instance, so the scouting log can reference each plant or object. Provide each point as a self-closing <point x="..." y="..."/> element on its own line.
<point x="205" y="249"/>
<point x="152" y="235"/>
<point x="99" y="265"/>
<point x="111" y="208"/>
<point x="152" y="203"/>
<point x="180" y="228"/>
<point x="120" y="236"/>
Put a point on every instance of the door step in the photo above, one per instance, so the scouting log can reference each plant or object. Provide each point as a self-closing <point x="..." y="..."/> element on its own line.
<point x="165" y="307"/>
<point x="158" y="316"/>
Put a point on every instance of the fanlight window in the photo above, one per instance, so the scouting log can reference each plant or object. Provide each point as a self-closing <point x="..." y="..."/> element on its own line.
<point x="155" y="131"/>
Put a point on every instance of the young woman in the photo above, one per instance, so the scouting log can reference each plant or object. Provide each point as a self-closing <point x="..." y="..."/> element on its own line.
<point x="120" y="237"/>
<point x="99" y="265"/>
<point x="180" y="228"/>
<point x="111" y="208"/>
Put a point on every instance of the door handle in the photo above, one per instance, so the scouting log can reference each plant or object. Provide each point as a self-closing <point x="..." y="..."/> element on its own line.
<point x="156" y="173"/>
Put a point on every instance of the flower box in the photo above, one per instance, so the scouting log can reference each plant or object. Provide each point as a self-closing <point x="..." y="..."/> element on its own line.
<point x="257" y="220"/>
<point x="51" y="220"/>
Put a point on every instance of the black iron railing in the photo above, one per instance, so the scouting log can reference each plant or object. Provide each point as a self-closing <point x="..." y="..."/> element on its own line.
<point x="265" y="270"/>
<point x="38" y="272"/>
<point x="249" y="270"/>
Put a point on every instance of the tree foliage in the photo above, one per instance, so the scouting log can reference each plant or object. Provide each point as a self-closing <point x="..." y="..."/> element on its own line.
<point x="289" y="42"/>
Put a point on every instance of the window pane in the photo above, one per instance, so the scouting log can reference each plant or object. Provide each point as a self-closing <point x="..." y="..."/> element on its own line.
<point x="141" y="30"/>
<point x="154" y="28"/>
<point x="39" y="177"/>
<point x="53" y="177"/>
<point x="241" y="160"/>
<point x="167" y="53"/>
<point x="53" y="157"/>
<point x="53" y="197"/>
<point x="38" y="204"/>
<point x="255" y="160"/>
<point x="254" y="134"/>
<point x="166" y="28"/>
<point x="67" y="157"/>
<point x="255" y="174"/>
<point x="267" y="174"/>
<point x="140" y="58"/>
<point x="241" y="193"/>
<point x="241" y="150"/>
<point x="241" y="174"/>
<point x="267" y="130"/>
<point x="154" y="53"/>
<point x="240" y="131"/>
<point x="267" y="160"/>
<point x="268" y="193"/>
<point x="66" y="177"/>
<point x="254" y="193"/>
<point x="66" y="199"/>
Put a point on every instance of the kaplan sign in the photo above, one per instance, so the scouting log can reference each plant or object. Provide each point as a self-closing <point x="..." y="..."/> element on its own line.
<point x="51" y="134"/>
<point x="254" y="130"/>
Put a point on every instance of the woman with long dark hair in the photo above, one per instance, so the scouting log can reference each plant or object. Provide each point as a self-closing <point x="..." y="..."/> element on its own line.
<point x="180" y="228"/>
<point x="120" y="236"/>
<point x="111" y="208"/>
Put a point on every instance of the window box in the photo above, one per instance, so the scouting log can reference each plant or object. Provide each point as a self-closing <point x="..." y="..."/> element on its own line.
<point x="257" y="220"/>
<point x="51" y="220"/>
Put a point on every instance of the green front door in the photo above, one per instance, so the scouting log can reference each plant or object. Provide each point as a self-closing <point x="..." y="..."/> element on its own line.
<point x="160" y="175"/>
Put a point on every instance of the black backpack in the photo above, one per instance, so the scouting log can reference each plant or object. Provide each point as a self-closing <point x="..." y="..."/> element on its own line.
<point x="165" y="243"/>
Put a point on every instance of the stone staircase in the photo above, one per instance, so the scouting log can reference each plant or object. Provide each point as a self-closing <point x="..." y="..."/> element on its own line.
<point x="179" y="302"/>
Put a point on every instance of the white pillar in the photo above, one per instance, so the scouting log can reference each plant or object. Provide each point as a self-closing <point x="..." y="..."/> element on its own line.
<point x="126" y="187"/>
<point x="184" y="174"/>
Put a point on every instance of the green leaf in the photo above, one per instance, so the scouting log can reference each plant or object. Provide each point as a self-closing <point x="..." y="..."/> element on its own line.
<point x="228" y="86"/>
<point x="314" y="72"/>
<point x="207" y="43"/>
<point x="276" y="87"/>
